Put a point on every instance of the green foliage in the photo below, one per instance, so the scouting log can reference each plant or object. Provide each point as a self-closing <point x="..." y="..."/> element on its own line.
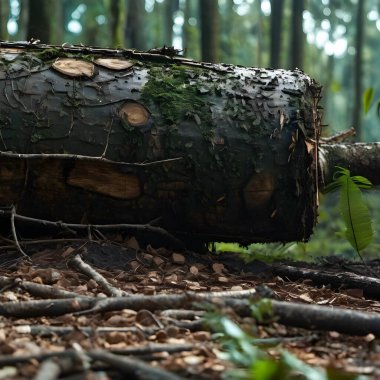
<point x="251" y="361"/>
<point x="368" y="99"/>
<point x="355" y="213"/>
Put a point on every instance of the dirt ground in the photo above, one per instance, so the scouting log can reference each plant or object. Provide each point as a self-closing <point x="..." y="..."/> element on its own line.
<point x="74" y="345"/>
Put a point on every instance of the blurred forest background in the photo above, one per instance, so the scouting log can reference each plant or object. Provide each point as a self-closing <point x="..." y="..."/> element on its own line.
<point x="335" y="41"/>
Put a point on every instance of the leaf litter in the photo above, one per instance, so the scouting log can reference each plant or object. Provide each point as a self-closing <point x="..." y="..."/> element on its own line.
<point x="173" y="342"/>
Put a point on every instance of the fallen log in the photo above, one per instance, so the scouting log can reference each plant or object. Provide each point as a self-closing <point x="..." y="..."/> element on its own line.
<point x="212" y="151"/>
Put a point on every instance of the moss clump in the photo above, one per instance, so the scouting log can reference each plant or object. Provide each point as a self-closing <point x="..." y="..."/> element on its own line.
<point x="175" y="97"/>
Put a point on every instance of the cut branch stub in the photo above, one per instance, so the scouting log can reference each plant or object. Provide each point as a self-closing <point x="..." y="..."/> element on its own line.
<point x="135" y="114"/>
<point x="74" y="67"/>
<point x="114" y="63"/>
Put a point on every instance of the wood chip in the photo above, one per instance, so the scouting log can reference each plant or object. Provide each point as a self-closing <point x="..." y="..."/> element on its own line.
<point x="178" y="258"/>
<point x="74" y="67"/>
<point x="114" y="63"/>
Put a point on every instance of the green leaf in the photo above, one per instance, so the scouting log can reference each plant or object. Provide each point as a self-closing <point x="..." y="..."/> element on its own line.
<point x="368" y="99"/>
<point x="309" y="372"/>
<point x="232" y="329"/>
<point x="355" y="212"/>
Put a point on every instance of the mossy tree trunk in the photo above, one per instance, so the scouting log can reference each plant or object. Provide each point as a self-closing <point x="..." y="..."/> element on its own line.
<point x="116" y="136"/>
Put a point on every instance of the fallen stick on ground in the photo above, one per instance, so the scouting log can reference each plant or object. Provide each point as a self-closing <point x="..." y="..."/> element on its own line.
<point x="77" y="263"/>
<point x="37" y="290"/>
<point x="130" y="228"/>
<point x="151" y="348"/>
<point x="291" y="314"/>
<point x="370" y="285"/>
<point x="132" y="366"/>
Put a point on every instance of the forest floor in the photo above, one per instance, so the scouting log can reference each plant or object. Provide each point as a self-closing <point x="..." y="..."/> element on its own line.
<point x="78" y="334"/>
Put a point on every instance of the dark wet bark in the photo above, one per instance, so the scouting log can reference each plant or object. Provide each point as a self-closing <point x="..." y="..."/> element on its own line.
<point x="214" y="151"/>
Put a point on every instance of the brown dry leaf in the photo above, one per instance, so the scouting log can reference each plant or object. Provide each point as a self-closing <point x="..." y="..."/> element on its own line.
<point x="172" y="278"/>
<point x="158" y="260"/>
<point x="49" y="276"/>
<point x="133" y="243"/>
<point x="194" y="270"/>
<point x="118" y="321"/>
<point x="67" y="252"/>
<point x="145" y="318"/>
<point x="115" y="337"/>
<point x="305" y="297"/>
<point x="218" y="268"/>
<point x="178" y="258"/>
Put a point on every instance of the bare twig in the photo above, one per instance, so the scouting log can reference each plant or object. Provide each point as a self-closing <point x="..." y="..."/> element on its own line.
<point x="135" y="367"/>
<point x="86" y="269"/>
<point x="339" y="137"/>
<point x="49" y="370"/>
<point x="176" y="243"/>
<point x="14" y="234"/>
<point x="37" y="290"/>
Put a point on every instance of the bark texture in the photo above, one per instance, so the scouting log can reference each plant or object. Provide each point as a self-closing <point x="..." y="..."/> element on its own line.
<point x="117" y="136"/>
<point x="360" y="158"/>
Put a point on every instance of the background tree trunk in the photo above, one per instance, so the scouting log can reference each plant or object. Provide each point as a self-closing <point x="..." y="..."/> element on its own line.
<point x="4" y="15"/>
<point x="297" y="36"/>
<point x="358" y="64"/>
<point x="39" y="20"/>
<point x="134" y="31"/>
<point x="216" y="151"/>
<point x="360" y="158"/>
<point x="117" y="16"/>
<point x="209" y="17"/>
<point x="277" y="7"/>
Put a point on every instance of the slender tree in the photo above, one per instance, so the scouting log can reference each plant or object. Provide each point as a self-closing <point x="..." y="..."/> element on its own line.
<point x="171" y="6"/>
<point x="358" y="64"/>
<point x="297" y="36"/>
<point x="116" y="22"/>
<point x="57" y="26"/>
<point x="134" y="31"/>
<point x="4" y="15"/>
<point x="209" y="17"/>
<point x="39" y="20"/>
<point x="277" y="7"/>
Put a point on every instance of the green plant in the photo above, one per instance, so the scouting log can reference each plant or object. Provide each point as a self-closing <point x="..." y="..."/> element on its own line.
<point x="354" y="210"/>
<point x="251" y="361"/>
